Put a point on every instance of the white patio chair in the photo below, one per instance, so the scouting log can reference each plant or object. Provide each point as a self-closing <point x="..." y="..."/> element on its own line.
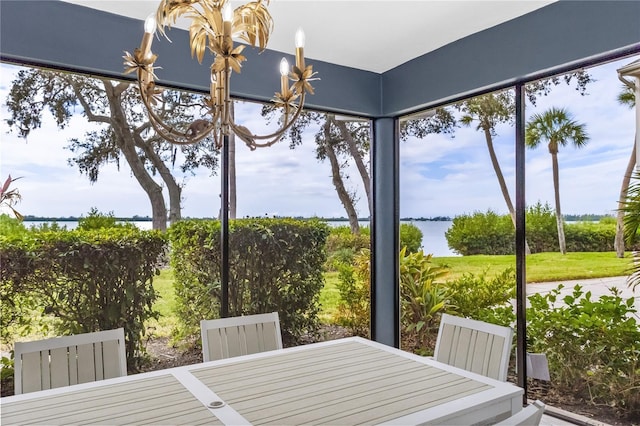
<point x="69" y="360"/>
<point x="528" y="416"/>
<point x="475" y="346"/>
<point x="229" y="337"/>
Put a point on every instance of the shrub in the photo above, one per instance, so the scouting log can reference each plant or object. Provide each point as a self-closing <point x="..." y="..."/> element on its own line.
<point x="342" y="245"/>
<point x="489" y="233"/>
<point x="274" y="265"/>
<point x="10" y="226"/>
<point x="593" y="346"/>
<point x="97" y="220"/>
<point x="422" y="296"/>
<point x="484" y="299"/>
<point x="18" y="277"/>
<point x="586" y="236"/>
<point x="355" y="294"/>
<point x="89" y="280"/>
<point x="481" y="233"/>
<point x="542" y="229"/>
<point x="410" y="237"/>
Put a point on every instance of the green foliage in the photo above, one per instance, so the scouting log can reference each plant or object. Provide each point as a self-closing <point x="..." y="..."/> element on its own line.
<point x="481" y="233"/>
<point x="97" y="220"/>
<point x="88" y="280"/>
<point x="18" y="277"/>
<point x="591" y="237"/>
<point x="343" y="245"/>
<point x="10" y="197"/>
<point x="410" y="237"/>
<point x="482" y="298"/>
<point x="422" y="296"/>
<point x="492" y="234"/>
<point x="274" y="265"/>
<point x="542" y="229"/>
<point x="593" y="346"/>
<point x="10" y="226"/>
<point x="355" y="294"/>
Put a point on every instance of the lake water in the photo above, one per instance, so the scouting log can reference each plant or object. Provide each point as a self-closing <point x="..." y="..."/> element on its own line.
<point x="433" y="239"/>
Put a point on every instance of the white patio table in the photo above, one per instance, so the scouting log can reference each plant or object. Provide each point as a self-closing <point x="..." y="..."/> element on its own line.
<point x="346" y="381"/>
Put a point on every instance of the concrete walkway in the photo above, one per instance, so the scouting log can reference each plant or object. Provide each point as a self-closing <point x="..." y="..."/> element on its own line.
<point x="597" y="286"/>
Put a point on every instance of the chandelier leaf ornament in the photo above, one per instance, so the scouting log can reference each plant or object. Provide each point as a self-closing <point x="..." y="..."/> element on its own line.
<point x="214" y="25"/>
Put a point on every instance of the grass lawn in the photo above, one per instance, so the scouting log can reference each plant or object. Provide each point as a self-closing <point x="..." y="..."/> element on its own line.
<point x="163" y="285"/>
<point x="542" y="267"/>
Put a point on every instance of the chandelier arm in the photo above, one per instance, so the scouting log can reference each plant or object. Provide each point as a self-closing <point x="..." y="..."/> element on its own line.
<point x="278" y="133"/>
<point x="170" y="133"/>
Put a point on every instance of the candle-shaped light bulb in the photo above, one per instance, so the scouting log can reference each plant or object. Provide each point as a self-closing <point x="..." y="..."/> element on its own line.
<point x="300" y="49"/>
<point x="227" y="13"/>
<point x="150" y="24"/>
<point x="284" y="67"/>
<point x="147" y="38"/>
<point x="227" y="18"/>
<point x="299" y="38"/>
<point x="284" y="76"/>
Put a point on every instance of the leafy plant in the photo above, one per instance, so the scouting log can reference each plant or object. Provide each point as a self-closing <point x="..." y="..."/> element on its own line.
<point x="482" y="298"/>
<point x="422" y="296"/>
<point x="355" y="294"/>
<point x="9" y="197"/>
<point x="481" y="233"/>
<point x="410" y="237"/>
<point x="11" y="226"/>
<point x="274" y="265"/>
<point x="88" y="280"/>
<point x="97" y="220"/>
<point x="593" y="346"/>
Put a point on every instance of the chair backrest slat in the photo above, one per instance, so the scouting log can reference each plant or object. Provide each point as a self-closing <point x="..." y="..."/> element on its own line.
<point x="475" y="346"/>
<point x="230" y="337"/>
<point x="69" y="360"/>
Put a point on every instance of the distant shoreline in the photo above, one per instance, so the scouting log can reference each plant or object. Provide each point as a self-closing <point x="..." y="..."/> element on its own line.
<point x="149" y="219"/>
<point x="567" y="217"/>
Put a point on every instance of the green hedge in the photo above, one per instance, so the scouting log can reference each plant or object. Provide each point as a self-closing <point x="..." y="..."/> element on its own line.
<point x="88" y="280"/>
<point x="493" y="234"/>
<point x="343" y="245"/>
<point x="274" y="265"/>
<point x="481" y="233"/>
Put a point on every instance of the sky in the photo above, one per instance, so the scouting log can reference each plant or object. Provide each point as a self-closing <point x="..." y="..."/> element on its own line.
<point x="439" y="175"/>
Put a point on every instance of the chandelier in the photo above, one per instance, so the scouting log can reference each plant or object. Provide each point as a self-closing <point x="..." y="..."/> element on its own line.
<point x="214" y="25"/>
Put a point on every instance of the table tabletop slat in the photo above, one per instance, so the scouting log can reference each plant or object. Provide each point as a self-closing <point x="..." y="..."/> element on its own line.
<point x="343" y="383"/>
<point x="160" y="399"/>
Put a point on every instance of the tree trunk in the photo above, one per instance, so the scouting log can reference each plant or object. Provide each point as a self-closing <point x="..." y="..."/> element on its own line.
<point x="174" y="189"/>
<point x="232" y="169"/>
<point x="126" y="142"/>
<point x="619" y="241"/>
<point x="357" y="157"/>
<point x="501" y="182"/>
<point x="556" y="189"/>
<point x="344" y="196"/>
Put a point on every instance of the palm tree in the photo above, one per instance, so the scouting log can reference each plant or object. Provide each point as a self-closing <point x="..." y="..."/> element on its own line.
<point x="625" y="97"/>
<point x="557" y="128"/>
<point x="488" y="111"/>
